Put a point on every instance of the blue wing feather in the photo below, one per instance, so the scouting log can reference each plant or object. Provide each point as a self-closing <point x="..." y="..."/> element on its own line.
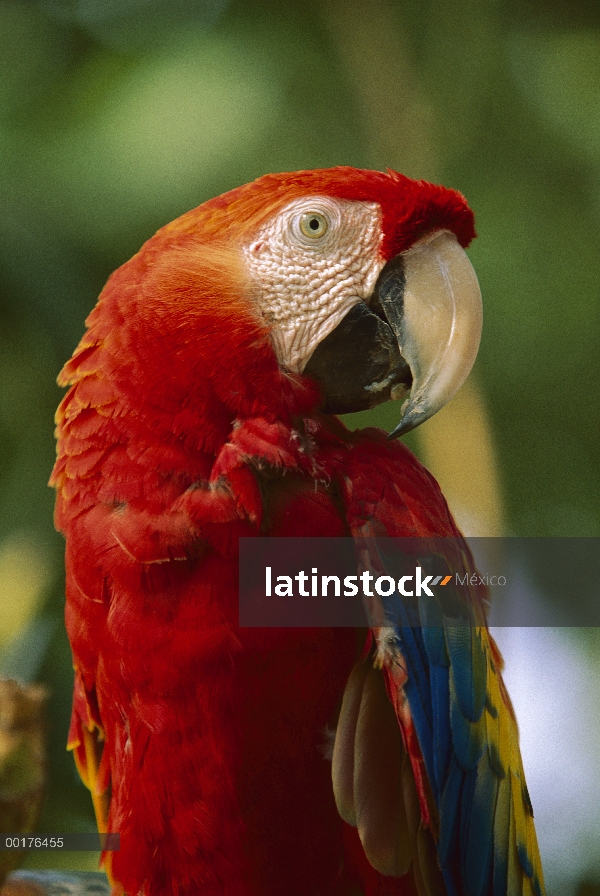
<point x="477" y="865"/>
<point x="442" y="755"/>
<point x="466" y="803"/>
<point x="501" y="838"/>
<point x="468" y="741"/>
<point x="468" y="661"/>
<point x="449" y="813"/>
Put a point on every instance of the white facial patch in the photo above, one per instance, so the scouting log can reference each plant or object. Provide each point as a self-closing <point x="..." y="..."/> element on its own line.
<point x="311" y="264"/>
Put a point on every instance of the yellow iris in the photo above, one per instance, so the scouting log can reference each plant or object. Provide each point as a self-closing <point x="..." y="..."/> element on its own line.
<point x="313" y="225"/>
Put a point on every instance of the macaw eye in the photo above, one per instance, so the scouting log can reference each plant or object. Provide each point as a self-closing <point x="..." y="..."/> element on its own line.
<point x="314" y="225"/>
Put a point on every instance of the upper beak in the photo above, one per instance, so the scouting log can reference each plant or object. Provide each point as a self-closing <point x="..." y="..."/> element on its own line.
<point x="436" y="320"/>
<point x="416" y="336"/>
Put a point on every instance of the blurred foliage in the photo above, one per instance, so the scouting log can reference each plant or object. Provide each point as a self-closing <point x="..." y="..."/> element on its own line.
<point x="118" y="115"/>
<point x="22" y="763"/>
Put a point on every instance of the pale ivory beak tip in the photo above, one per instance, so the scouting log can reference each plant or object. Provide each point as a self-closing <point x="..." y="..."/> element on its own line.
<point x="442" y="322"/>
<point x="411" y="418"/>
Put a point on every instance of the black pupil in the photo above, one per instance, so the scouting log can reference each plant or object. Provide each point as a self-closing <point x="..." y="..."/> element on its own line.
<point x="314" y="223"/>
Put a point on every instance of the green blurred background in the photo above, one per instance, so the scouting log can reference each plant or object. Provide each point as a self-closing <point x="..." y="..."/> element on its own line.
<point x="118" y="115"/>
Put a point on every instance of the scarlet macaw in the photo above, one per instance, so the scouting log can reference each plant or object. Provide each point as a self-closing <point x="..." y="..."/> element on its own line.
<point x="201" y="410"/>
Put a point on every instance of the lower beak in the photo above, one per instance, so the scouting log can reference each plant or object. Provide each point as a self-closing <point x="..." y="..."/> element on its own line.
<point x="415" y="340"/>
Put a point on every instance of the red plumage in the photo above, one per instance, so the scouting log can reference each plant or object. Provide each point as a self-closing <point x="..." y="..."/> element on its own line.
<point x="181" y="433"/>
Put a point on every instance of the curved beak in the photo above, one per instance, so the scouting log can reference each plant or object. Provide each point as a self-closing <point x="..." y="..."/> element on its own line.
<point x="414" y="340"/>
<point x="431" y="299"/>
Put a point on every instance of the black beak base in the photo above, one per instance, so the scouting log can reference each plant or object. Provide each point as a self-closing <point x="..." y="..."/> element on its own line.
<point x="359" y="363"/>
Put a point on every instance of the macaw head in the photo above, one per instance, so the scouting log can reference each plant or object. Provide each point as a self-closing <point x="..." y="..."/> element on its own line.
<point x="366" y="287"/>
<point x="356" y="281"/>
